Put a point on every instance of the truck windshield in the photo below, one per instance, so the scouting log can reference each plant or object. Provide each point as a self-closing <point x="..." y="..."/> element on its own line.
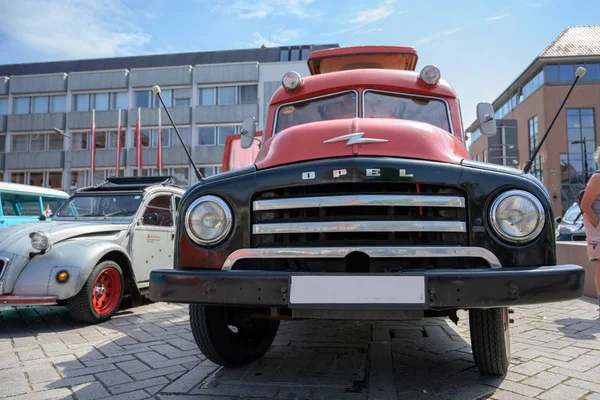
<point x="339" y="106"/>
<point x="114" y="205"/>
<point x="384" y="105"/>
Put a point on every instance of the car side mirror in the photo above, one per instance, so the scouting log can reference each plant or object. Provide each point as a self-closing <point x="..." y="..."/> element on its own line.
<point x="247" y="133"/>
<point x="485" y="118"/>
<point x="558" y="220"/>
<point x="42" y="217"/>
<point x="150" y="219"/>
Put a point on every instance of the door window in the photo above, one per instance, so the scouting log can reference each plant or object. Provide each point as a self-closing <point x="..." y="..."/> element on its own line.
<point x="20" y="204"/>
<point x="159" y="211"/>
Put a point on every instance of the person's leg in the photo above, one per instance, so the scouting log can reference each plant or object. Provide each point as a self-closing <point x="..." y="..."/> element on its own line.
<point x="597" y="280"/>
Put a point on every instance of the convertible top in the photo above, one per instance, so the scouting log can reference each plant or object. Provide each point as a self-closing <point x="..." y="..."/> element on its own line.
<point x="128" y="183"/>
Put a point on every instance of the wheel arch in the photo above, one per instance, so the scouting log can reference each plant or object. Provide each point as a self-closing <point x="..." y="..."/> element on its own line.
<point x="124" y="262"/>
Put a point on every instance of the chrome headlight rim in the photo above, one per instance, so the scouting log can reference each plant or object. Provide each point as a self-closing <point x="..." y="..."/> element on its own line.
<point x="228" y="220"/>
<point x="48" y="238"/>
<point x="517" y="239"/>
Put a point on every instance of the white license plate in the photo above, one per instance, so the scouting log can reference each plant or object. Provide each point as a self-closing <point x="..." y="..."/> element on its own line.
<point x="355" y="289"/>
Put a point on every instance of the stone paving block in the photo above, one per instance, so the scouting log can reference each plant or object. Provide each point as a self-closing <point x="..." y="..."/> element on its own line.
<point x="114" y="377"/>
<point x="64" y="383"/>
<point x="44" y="374"/>
<point x="54" y="394"/>
<point x="90" y="391"/>
<point x="130" y="387"/>
<point x="189" y="380"/>
<point x="563" y="392"/>
<point x="87" y="371"/>
<point x="175" y="361"/>
<point x="136" y="395"/>
<point x="13" y="384"/>
<point x="151" y="357"/>
<point x="545" y="380"/>
<point x="531" y="368"/>
<point x="473" y="391"/>
<point x="108" y="360"/>
<point x="133" y="366"/>
<point x="505" y="395"/>
<point x="158" y="372"/>
<point x="581" y="384"/>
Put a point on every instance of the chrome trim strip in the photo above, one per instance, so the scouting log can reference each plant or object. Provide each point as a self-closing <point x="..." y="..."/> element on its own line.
<point x="374" y="252"/>
<point x="448" y="111"/>
<point x="5" y="266"/>
<point x="356" y="114"/>
<point x="360" y="200"/>
<point x="359" y="226"/>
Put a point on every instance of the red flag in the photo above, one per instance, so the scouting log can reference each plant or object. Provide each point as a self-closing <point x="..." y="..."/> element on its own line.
<point x="159" y="160"/>
<point x="118" y="167"/>
<point x="138" y="149"/>
<point x="93" y="149"/>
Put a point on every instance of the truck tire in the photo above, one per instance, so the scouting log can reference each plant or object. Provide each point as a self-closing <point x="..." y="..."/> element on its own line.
<point x="228" y="337"/>
<point x="101" y="295"/>
<point x="490" y="340"/>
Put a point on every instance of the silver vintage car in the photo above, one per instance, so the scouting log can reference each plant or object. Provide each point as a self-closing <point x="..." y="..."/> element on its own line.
<point x="100" y="246"/>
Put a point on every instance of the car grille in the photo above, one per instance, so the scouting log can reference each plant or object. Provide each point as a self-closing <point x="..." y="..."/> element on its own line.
<point x="361" y="214"/>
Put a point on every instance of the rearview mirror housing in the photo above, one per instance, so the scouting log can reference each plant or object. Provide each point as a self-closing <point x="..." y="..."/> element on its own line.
<point x="485" y="118"/>
<point x="247" y="133"/>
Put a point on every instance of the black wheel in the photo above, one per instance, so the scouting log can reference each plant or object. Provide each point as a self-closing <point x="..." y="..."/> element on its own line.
<point x="228" y="336"/>
<point x="100" y="297"/>
<point x="490" y="340"/>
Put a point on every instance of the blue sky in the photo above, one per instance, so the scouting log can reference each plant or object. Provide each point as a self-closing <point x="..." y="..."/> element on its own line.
<point x="480" y="46"/>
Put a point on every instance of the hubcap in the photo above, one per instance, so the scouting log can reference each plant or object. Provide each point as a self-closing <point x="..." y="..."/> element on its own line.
<point x="106" y="291"/>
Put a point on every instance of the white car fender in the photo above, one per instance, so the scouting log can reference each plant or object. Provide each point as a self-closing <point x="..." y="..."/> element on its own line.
<point x="78" y="258"/>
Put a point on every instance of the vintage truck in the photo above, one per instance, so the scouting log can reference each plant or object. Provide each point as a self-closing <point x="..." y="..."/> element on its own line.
<point x="363" y="203"/>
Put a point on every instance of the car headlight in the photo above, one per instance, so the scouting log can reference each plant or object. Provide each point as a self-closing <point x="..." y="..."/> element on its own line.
<point x="208" y="220"/>
<point x="41" y="241"/>
<point x="517" y="216"/>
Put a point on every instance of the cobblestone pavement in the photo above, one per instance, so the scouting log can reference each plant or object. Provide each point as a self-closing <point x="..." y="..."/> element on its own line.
<point x="148" y="352"/>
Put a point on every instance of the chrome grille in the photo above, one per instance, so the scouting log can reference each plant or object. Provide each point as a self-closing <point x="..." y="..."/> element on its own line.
<point x="360" y="214"/>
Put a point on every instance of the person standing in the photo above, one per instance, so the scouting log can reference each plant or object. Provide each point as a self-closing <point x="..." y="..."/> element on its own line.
<point x="590" y="206"/>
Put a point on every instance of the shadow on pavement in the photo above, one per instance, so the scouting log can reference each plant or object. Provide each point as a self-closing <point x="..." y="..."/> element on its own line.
<point x="149" y="352"/>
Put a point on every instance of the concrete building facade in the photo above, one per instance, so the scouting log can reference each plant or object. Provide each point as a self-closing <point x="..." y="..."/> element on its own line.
<point x="566" y="160"/>
<point x="46" y="112"/>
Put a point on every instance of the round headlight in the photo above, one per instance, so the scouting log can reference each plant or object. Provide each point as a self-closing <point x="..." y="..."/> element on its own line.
<point x="41" y="241"/>
<point x="291" y="80"/>
<point x="517" y="216"/>
<point x="208" y="220"/>
<point x="430" y="74"/>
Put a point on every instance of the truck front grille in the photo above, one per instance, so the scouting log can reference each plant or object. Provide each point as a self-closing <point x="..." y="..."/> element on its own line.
<point x="359" y="214"/>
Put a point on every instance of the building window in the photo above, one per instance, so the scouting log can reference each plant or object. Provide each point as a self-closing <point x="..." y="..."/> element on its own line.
<point x="81" y="177"/>
<point x="39" y="104"/>
<point x="294" y="53"/>
<point x="181" y="175"/>
<point x="227" y="95"/>
<point x="211" y="135"/>
<point x="172" y="98"/>
<point x="484" y="156"/>
<point x="533" y="134"/>
<point x="79" y="141"/>
<point x="209" y="170"/>
<point x="2" y="143"/>
<point x="3" y="105"/>
<point x="565" y="73"/>
<point x="100" y="101"/>
<point x="50" y="179"/>
<point x="37" y="142"/>
<point x="284" y="55"/>
<point x="169" y="137"/>
<point x="578" y="164"/>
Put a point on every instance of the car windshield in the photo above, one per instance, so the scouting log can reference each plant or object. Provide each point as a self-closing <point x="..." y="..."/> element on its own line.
<point x="104" y="205"/>
<point x="383" y="105"/>
<point x="572" y="213"/>
<point x="339" y="106"/>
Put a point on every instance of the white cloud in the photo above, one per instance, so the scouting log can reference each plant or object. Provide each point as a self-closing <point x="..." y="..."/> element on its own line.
<point x="75" y="29"/>
<point x="437" y="35"/>
<point x="257" y="9"/>
<point x="497" y="17"/>
<point x="277" y="38"/>
<point x="385" y="9"/>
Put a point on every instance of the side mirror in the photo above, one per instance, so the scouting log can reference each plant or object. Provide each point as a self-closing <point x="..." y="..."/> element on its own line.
<point x="485" y="118"/>
<point x="248" y="131"/>
<point x="150" y="219"/>
<point x="42" y="217"/>
<point x="558" y="220"/>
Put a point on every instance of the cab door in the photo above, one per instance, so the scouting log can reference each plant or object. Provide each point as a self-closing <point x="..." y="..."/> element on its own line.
<point x="154" y="237"/>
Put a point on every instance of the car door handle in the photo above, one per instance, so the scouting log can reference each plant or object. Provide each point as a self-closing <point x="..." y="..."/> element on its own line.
<point x="172" y="235"/>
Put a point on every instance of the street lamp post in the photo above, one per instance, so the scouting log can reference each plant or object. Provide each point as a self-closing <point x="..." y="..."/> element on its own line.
<point x="68" y="154"/>
<point x="585" y="162"/>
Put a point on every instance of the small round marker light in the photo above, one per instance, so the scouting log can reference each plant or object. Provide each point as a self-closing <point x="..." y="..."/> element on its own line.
<point x="291" y="81"/>
<point x="430" y="74"/>
<point x="62" y="276"/>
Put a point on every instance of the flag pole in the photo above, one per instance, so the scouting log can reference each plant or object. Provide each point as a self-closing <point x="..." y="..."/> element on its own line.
<point x="118" y="166"/>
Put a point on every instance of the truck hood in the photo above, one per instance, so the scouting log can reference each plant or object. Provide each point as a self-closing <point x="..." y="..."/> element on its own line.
<point x="15" y="238"/>
<point x="397" y="138"/>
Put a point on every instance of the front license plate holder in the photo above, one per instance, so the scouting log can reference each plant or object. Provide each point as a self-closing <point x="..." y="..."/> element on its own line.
<point x="358" y="291"/>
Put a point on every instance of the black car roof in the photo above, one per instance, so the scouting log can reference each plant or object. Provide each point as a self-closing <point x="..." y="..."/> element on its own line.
<point x="130" y="183"/>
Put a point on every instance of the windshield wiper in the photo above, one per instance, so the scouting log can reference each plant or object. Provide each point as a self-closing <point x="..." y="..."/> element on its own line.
<point x="122" y="212"/>
<point x="90" y="215"/>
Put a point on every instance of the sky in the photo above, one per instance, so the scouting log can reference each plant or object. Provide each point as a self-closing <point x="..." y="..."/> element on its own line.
<point x="480" y="46"/>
